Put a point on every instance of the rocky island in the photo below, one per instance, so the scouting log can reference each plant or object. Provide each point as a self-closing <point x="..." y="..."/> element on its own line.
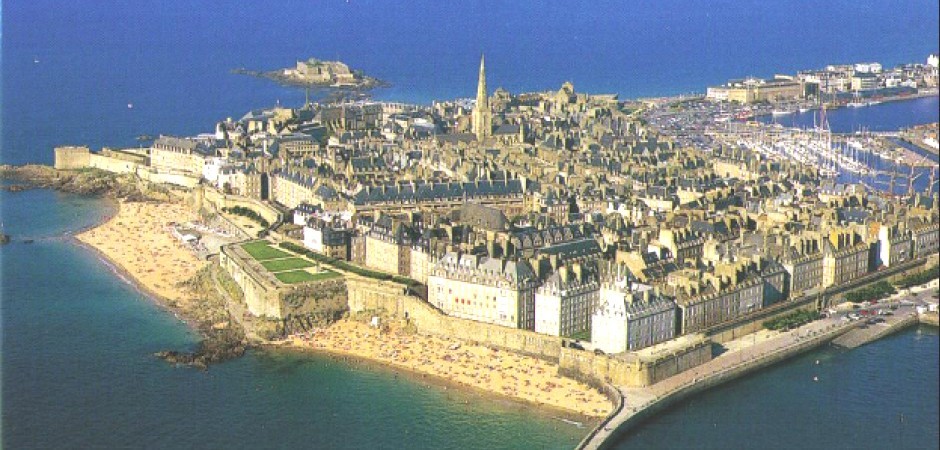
<point x="316" y="73"/>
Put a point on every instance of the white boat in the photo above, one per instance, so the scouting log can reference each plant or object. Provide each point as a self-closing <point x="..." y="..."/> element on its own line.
<point x="805" y="109"/>
<point x="781" y="112"/>
<point x="856" y="104"/>
<point x="874" y="102"/>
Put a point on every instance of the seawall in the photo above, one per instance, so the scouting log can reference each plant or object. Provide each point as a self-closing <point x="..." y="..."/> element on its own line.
<point x="630" y="416"/>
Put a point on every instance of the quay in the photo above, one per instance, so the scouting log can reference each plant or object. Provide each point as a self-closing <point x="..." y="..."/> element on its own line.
<point x="746" y="355"/>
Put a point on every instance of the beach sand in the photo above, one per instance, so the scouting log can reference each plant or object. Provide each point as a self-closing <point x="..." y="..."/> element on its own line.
<point x="137" y="240"/>
<point x="521" y="377"/>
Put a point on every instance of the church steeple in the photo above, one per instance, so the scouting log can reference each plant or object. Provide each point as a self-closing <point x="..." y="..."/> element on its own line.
<point x="482" y="118"/>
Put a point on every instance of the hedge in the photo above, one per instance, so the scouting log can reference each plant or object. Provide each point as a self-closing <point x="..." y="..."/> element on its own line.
<point x="247" y="212"/>
<point x="876" y="291"/>
<point x="791" y="320"/>
<point x="918" y="278"/>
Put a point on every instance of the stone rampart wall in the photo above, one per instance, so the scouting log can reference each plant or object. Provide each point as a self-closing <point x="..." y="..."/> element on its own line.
<point x="71" y="158"/>
<point x="389" y="298"/>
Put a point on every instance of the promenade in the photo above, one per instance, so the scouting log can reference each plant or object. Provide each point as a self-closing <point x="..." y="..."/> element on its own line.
<point x="749" y="353"/>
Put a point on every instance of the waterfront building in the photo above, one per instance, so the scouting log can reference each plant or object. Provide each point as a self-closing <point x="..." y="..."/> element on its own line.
<point x="845" y="257"/>
<point x="179" y="156"/>
<point x="565" y="300"/>
<point x="754" y="90"/>
<point x="483" y="288"/>
<point x="865" y="81"/>
<point x="925" y="236"/>
<point x="895" y="244"/>
<point x="631" y="316"/>
<point x="706" y="299"/>
<point x="802" y="258"/>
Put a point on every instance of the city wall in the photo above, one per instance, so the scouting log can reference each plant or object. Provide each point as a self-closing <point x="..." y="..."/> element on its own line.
<point x="264" y="296"/>
<point x="384" y="297"/>
<point x="388" y="298"/>
<point x="261" y="297"/>
<point x="632" y="370"/>
<point x="217" y="200"/>
<point x="72" y="158"/>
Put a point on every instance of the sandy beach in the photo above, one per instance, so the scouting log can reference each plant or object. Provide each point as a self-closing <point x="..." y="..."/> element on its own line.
<point x="501" y="372"/>
<point x="138" y="241"/>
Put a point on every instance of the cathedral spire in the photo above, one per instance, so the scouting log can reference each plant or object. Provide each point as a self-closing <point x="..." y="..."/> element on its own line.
<point x="482" y="117"/>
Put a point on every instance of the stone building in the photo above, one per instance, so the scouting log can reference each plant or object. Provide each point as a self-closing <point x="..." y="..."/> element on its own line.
<point x="894" y="244"/>
<point x="565" y="301"/>
<point x="388" y="246"/>
<point x="631" y="316"/>
<point x="178" y="155"/>
<point x="711" y="298"/>
<point x="486" y="289"/>
<point x="803" y="261"/>
<point x="845" y="257"/>
<point x="925" y="237"/>
<point x="293" y="188"/>
<point x="330" y="238"/>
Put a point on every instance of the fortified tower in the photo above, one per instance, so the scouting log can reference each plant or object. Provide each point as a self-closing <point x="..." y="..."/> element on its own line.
<point x="482" y="117"/>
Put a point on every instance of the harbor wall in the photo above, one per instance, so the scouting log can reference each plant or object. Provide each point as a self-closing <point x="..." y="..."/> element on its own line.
<point x="655" y="405"/>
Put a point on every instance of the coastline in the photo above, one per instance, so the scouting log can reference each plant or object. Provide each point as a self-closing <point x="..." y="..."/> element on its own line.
<point x="643" y="403"/>
<point x="497" y="372"/>
<point x="431" y="380"/>
<point x="128" y="278"/>
<point x="118" y="255"/>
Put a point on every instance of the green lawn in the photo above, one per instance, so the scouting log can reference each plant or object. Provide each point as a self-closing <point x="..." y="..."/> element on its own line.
<point x="279" y="265"/>
<point x="261" y="251"/>
<point x="300" y="276"/>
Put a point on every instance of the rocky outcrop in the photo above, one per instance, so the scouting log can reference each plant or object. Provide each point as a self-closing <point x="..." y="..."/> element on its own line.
<point x="83" y="182"/>
<point x="218" y="347"/>
<point x="223" y="337"/>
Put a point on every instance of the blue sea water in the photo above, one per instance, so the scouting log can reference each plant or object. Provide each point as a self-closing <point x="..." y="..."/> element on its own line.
<point x="171" y="60"/>
<point x="882" y="395"/>
<point x="887" y="116"/>
<point x="76" y="339"/>
<point x="78" y="370"/>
